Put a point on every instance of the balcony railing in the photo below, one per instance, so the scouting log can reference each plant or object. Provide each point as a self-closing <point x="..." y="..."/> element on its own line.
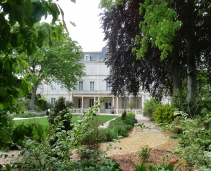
<point x="89" y="92"/>
<point x="116" y="111"/>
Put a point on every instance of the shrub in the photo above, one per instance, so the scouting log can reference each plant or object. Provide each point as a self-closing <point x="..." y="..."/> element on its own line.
<point x="175" y="128"/>
<point x="41" y="103"/>
<point x="144" y="153"/>
<point x="118" y="127"/>
<point x="124" y="113"/>
<point x="7" y="126"/>
<point x="91" y="142"/>
<point x="59" y="106"/>
<point x="130" y="113"/>
<point x="162" y="167"/>
<point x="107" y="135"/>
<point x="150" y="106"/>
<point x="163" y="114"/>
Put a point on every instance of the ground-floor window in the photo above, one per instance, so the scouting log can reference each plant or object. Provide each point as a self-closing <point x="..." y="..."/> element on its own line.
<point x="107" y="103"/>
<point x="53" y="100"/>
<point x="124" y="101"/>
<point x="79" y="103"/>
<point x="137" y="101"/>
<point x="91" y="102"/>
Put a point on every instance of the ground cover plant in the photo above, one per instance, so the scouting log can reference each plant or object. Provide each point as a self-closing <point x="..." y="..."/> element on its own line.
<point x="118" y="128"/>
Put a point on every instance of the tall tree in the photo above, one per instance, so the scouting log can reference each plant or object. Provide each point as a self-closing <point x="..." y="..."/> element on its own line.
<point x="165" y="30"/>
<point x="60" y="62"/>
<point x="19" y="36"/>
<point x="121" y="25"/>
<point x="161" y="22"/>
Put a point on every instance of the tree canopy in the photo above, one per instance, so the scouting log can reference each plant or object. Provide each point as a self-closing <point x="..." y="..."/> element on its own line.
<point x="60" y="63"/>
<point x="20" y="37"/>
<point x="171" y="39"/>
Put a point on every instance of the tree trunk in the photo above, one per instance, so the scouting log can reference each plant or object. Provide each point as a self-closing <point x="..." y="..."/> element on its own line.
<point x="191" y="60"/>
<point x="177" y="85"/>
<point x="33" y="96"/>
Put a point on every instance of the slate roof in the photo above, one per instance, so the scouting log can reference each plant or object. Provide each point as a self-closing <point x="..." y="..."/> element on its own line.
<point x="97" y="56"/>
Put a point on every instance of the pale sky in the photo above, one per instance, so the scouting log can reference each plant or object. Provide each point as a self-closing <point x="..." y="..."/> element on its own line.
<point x="85" y="14"/>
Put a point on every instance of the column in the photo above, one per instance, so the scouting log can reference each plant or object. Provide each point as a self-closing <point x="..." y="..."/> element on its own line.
<point x="143" y="98"/>
<point x="82" y="103"/>
<point x="117" y="105"/>
<point x="112" y="106"/>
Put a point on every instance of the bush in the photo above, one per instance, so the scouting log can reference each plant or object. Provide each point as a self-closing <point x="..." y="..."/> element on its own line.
<point x="144" y="153"/>
<point x="163" y="114"/>
<point x="124" y="113"/>
<point x="59" y="106"/>
<point x="150" y="106"/>
<point x="116" y="128"/>
<point x="41" y="103"/>
<point x="132" y="114"/>
<point x="162" y="167"/>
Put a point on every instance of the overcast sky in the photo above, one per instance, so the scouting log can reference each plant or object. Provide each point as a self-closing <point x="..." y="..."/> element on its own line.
<point x="85" y="14"/>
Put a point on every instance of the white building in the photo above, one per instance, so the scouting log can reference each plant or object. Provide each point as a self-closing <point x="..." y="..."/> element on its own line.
<point x="92" y="87"/>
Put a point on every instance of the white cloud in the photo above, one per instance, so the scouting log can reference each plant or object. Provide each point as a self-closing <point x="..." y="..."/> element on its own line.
<point x="85" y="14"/>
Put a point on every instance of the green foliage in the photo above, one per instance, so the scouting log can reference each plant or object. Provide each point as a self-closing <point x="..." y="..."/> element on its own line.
<point x="162" y="167"/>
<point x="44" y="156"/>
<point x="144" y="153"/>
<point x="150" y="106"/>
<point x="91" y="144"/>
<point x="132" y="114"/>
<point x="124" y="113"/>
<point x="194" y="140"/>
<point x="143" y="126"/>
<point x="7" y="126"/>
<point x="159" y="27"/>
<point x="163" y="114"/>
<point x="69" y="104"/>
<point x="59" y="106"/>
<point x="117" y="128"/>
<point x="108" y="4"/>
<point x="131" y="105"/>
<point x="12" y="136"/>
<point x="41" y="102"/>
<point x="58" y="62"/>
<point x="34" y="131"/>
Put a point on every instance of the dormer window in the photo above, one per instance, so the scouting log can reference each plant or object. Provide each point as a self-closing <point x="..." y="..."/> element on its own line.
<point x="87" y="58"/>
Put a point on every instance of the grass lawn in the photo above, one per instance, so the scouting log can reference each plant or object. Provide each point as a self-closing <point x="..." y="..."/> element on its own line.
<point x="43" y="121"/>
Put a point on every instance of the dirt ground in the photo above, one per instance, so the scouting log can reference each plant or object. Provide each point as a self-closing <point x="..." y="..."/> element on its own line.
<point x="126" y="155"/>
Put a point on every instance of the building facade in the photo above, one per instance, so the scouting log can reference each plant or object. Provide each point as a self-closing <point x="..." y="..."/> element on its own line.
<point x="92" y="87"/>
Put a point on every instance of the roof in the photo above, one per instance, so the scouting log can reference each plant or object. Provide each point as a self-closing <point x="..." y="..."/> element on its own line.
<point x="96" y="56"/>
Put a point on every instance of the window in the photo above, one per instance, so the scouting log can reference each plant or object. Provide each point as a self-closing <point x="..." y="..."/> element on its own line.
<point x="80" y="85"/>
<point x="63" y="87"/>
<point x="92" y="70"/>
<point x="87" y="58"/>
<point x="92" y="84"/>
<point x="79" y="103"/>
<point x="53" y="85"/>
<point x="136" y="103"/>
<point x="91" y="102"/>
<point x="108" y="87"/>
<point x="53" y="100"/>
<point x="124" y="103"/>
